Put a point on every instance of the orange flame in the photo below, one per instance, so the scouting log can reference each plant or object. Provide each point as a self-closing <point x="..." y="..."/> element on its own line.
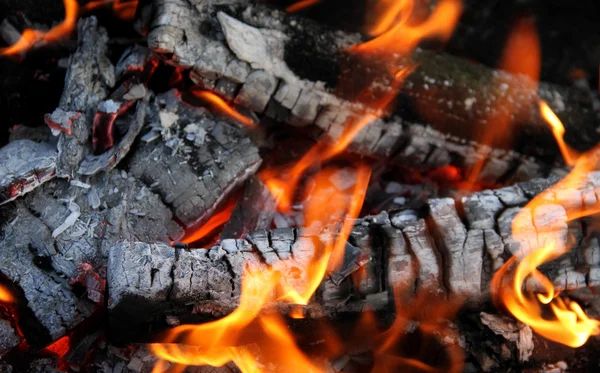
<point x="521" y="55"/>
<point x="6" y="296"/>
<point x="301" y="5"/>
<point x="124" y="10"/>
<point x="219" y="104"/>
<point x="31" y="37"/>
<point x="569" y="324"/>
<point x="230" y="335"/>
<point x="215" y="221"/>
<point x="558" y="130"/>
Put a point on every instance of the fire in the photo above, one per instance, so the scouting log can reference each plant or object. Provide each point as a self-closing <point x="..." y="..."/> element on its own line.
<point x="122" y="9"/>
<point x="6" y="296"/>
<point x="32" y="38"/>
<point x="558" y="130"/>
<point x="521" y="55"/>
<point x="231" y="335"/>
<point x="217" y="220"/>
<point x="569" y="324"/>
<point x="221" y="106"/>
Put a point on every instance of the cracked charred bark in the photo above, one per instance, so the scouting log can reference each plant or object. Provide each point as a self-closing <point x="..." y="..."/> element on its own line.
<point x="439" y="253"/>
<point x="199" y="165"/>
<point x="266" y="64"/>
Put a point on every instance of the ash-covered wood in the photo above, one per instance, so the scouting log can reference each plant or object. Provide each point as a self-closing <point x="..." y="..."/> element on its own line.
<point x="62" y="225"/>
<point x="9" y="338"/>
<point x="254" y="210"/>
<point x="439" y="253"/>
<point x="265" y="58"/>
<point x="25" y="165"/>
<point x="89" y="78"/>
<point x="192" y="160"/>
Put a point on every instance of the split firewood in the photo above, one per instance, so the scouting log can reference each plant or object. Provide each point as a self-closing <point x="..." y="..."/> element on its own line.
<point x="269" y="67"/>
<point x="25" y="165"/>
<point x="200" y="162"/>
<point x="441" y="253"/>
<point x="55" y="230"/>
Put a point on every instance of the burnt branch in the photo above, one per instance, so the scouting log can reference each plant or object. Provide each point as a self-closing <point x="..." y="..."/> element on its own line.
<point x="441" y="253"/>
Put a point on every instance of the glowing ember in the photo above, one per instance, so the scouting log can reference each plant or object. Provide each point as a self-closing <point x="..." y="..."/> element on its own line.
<point x="569" y="324"/>
<point x="220" y="105"/>
<point x="6" y="296"/>
<point x="215" y="221"/>
<point x="31" y="37"/>
<point x="301" y="5"/>
<point x="558" y="130"/>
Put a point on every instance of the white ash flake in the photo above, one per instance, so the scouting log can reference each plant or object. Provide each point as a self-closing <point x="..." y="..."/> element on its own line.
<point x="80" y="184"/>
<point x="109" y="106"/>
<point x="136" y="92"/>
<point x="93" y="199"/>
<point x="70" y="220"/>
<point x="167" y="118"/>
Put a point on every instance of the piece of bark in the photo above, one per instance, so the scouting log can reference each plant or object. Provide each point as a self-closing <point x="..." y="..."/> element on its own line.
<point x="89" y="78"/>
<point x="254" y="210"/>
<point x="434" y="254"/>
<point x="262" y="43"/>
<point x="200" y="163"/>
<point x="9" y="338"/>
<point x="25" y="165"/>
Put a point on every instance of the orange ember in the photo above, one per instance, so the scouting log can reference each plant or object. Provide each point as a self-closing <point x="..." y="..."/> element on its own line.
<point x="6" y="296"/>
<point x="31" y="37"/>
<point x="221" y="106"/>
<point x="301" y="5"/>
<point x="216" y="220"/>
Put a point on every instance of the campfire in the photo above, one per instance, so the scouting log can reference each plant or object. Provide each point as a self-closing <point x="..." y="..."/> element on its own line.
<point x="256" y="187"/>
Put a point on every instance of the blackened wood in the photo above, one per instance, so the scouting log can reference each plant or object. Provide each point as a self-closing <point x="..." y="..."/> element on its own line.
<point x="255" y="54"/>
<point x="254" y="210"/>
<point x="9" y="338"/>
<point x="25" y="165"/>
<point x="56" y="228"/>
<point x="89" y="78"/>
<point x="436" y="253"/>
<point x="200" y="163"/>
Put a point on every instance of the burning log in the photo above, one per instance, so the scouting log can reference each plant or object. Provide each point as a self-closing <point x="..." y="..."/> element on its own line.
<point x="443" y="253"/>
<point x="272" y="72"/>
<point x="200" y="163"/>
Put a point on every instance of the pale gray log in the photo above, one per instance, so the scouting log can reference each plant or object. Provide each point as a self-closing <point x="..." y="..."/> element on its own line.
<point x="24" y="166"/>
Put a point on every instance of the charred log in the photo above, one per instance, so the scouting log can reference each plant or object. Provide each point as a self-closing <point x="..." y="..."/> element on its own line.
<point x="441" y="253"/>
<point x="255" y="59"/>
<point x="8" y="337"/>
<point x="201" y="162"/>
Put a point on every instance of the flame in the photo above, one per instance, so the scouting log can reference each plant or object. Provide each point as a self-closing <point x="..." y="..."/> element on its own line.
<point x="215" y="221"/>
<point x="558" y="130"/>
<point x="220" y="105"/>
<point x="301" y="5"/>
<point x="6" y="296"/>
<point x="31" y="37"/>
<point x="230" y="335"/>
<point x="521" y="55"/>
<point x="398" y="36"/>
<point x="124" y="10"/>
<point x="569" y="324"/>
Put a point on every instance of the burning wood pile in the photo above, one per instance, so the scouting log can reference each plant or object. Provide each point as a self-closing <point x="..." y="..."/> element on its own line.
<point x="237" y="187"/>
